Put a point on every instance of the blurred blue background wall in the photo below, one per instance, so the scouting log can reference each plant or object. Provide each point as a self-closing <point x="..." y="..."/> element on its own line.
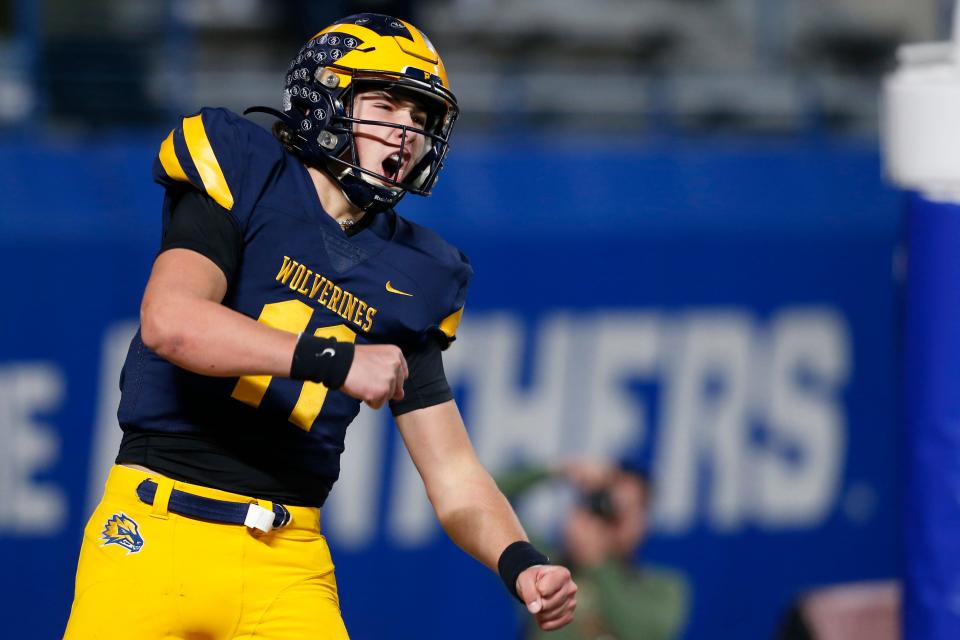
<point x="722" y="310"/>
<point x="685" y="257"/>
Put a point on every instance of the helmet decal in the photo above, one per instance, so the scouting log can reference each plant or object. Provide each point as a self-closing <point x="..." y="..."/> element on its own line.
<point x="380" y="24"/>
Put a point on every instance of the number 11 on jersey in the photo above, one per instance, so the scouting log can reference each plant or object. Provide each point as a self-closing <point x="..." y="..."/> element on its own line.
<point x="292" y="316"/>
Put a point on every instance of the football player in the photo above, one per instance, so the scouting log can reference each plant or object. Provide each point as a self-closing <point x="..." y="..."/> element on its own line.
<point x="288" y="291"/>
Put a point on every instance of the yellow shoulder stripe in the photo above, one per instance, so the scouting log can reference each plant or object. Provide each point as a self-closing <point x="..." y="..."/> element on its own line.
<point x="206" y="161"/>
<point x="449" y="324"/>
<point x="168" y="158"/>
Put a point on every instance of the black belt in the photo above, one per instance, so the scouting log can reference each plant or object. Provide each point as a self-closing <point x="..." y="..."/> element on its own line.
<point x="225" y="511"/>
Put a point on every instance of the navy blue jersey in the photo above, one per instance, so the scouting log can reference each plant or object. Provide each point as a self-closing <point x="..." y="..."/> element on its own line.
<point x="394" y="282"/>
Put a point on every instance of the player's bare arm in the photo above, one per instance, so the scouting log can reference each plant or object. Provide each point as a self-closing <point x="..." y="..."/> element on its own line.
<point x="473" y="511"/>
<point x="183" y="321"/>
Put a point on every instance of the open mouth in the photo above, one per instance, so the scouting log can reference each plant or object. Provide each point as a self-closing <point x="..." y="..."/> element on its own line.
<point x="394" y="164"/>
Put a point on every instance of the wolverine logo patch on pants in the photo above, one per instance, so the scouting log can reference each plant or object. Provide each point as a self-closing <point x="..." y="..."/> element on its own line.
<point x="122" y="530"/>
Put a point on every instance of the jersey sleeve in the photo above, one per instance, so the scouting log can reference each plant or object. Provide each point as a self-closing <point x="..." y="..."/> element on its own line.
<point x="207" y="152"/>
<point x="200" y="224"/>
<point x="427" y="383"/>
<point x="448" y="320"/>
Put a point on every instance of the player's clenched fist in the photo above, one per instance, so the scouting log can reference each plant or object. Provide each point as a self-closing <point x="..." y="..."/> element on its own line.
<point x="548" y="591"/>
<point x="377" y="374"/>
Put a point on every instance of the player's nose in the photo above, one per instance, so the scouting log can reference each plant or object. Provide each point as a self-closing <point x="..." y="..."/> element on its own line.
<point x="404" y="132"/>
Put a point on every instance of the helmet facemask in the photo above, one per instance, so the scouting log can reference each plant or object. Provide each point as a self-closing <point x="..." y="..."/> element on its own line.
<point x="420" y="166"/>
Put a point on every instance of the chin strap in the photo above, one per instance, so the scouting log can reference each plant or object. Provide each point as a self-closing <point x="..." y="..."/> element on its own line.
<point x="365" y="195"/>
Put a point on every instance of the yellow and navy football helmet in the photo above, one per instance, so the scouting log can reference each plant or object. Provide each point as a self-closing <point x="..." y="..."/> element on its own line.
<point x="366" y="50"/>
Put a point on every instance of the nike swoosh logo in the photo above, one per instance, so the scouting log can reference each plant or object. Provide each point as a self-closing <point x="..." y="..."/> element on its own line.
<point x="328" y="352"/>
<point x="397" y="291"/>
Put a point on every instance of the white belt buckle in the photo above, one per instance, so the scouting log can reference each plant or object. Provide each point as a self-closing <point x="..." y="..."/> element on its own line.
<point x="259" y="518"/>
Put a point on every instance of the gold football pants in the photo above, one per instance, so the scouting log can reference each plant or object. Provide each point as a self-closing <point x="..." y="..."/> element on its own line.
<point x="150" y="574"/>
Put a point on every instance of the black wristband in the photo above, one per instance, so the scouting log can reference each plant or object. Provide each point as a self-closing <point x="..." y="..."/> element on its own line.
<point x="515" y="559"/>
<point x="321" y="360"/>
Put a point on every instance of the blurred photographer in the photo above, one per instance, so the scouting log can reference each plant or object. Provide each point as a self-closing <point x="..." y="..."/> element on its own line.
<point x="618" y="598"/>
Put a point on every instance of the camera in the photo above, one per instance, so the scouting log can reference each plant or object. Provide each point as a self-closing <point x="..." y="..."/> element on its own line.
<point x="599" y="502"/>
